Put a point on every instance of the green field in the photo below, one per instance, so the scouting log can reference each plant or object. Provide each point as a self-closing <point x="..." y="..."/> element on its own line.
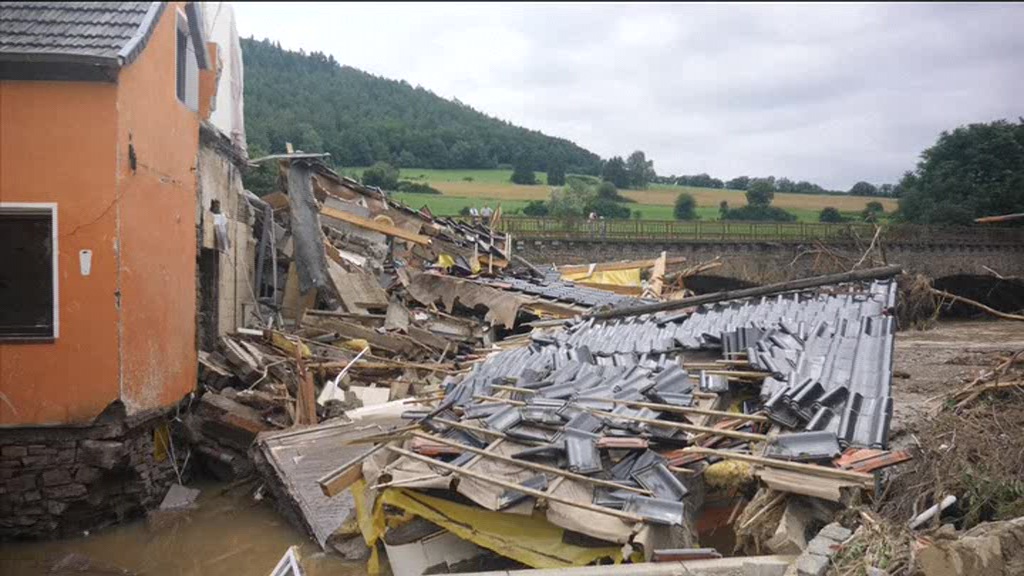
<point x="462" y="188"/>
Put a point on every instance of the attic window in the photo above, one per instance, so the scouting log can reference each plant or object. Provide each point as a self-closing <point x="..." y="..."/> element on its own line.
<point x="28" y="278"/>
<point x="186" y="71"/>
<point x="182" y="55"/>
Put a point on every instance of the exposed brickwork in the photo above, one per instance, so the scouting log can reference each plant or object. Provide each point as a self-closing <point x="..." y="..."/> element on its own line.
<point x="61" y="481"/>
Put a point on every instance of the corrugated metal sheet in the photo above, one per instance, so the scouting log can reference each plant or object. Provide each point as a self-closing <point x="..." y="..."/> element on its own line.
<point x="84" y="29"/>
<point x="830" y="353"/>
<point x="564" y="291"/>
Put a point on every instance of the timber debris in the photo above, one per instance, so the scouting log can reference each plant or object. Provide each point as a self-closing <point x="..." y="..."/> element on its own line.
<point x="409" y="387"/>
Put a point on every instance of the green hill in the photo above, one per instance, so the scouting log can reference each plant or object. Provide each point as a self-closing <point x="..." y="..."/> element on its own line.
<point x="318" y="105"/>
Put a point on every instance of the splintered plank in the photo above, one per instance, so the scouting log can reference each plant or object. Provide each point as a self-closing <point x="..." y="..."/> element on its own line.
<point x="382" y="227"/>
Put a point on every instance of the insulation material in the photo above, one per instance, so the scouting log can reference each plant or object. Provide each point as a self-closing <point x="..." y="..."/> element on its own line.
<point x="596" y="524"/>
<point x="502" y="307"/>
<point x="487" y="494"/>
<point x="629" y="277"/>
<point x="528" y="539"/>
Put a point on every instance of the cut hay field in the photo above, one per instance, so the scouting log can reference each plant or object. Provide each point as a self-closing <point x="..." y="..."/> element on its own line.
<point x="479" y="187"/>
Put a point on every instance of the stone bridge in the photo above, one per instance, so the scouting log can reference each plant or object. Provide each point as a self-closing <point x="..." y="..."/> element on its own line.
<point x="761" y="253"/>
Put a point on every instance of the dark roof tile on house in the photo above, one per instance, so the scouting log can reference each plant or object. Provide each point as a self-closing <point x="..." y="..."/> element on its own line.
<point x="107" y="33"/>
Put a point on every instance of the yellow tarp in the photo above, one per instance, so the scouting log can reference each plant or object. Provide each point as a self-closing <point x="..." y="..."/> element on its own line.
<point x="629" y="277"/>
<point x="531" y="540"/>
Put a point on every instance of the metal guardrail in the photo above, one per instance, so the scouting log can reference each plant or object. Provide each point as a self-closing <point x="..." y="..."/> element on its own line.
<point x="734" y="231"/>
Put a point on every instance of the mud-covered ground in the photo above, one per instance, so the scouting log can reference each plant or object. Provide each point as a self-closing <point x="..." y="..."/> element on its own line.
<point x="941" y="359"/>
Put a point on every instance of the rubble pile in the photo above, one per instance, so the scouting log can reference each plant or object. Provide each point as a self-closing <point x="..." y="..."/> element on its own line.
<point x="607" y="429"/>
<point x="407" y="386"/>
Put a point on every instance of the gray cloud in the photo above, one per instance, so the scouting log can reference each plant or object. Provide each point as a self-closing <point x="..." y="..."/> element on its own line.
<point x="829" y="93"/>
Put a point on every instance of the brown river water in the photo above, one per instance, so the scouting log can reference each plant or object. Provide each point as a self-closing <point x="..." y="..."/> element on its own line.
<point x="228" y="534"/>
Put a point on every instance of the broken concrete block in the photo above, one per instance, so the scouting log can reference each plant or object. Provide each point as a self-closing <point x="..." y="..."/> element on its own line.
<point x="791" y="535"/>
<point x="822" y="546"/>
<point x="811" y="565"/>
<point x="101" y="453"/>
<point x="988" y="549"/>
<point x="353" y="548"/>
<point x="835" y="531"/>
<point x="179" y="498"/>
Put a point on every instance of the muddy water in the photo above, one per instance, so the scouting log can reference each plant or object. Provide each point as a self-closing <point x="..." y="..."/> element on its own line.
<point x="229" y="534"/>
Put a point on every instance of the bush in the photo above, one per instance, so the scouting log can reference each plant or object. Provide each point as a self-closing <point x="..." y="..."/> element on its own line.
<point x="830" y="214"/>
<point x="523" y="174"/>
<point x="873" y="211"/>
<point x="536" y="208"/>
<point x="381" y="175"/>
<point x="416" y="188"/>
<point x="761" y="192"/>
<point x="723" y="209"/>
<point x="607" y="208"/>
<point x="759" y="214"/>
<point x="685" y="208"/>
<point x="571" y="200"/>
<point x="607" y="191"/>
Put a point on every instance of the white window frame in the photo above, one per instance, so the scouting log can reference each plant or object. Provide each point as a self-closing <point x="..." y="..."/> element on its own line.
<point x="37" y="207"/>
<point x="191" y="67"/>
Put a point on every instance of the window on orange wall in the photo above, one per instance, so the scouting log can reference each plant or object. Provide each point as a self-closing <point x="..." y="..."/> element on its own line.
<point x="186" y="72"/>
<point x="182" y="53"/>
<point x="28" y="272"/>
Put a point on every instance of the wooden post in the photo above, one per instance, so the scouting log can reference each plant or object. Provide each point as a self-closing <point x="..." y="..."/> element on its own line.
<point x="305" y="412"/>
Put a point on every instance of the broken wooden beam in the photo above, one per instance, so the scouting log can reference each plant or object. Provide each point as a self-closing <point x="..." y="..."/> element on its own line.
<point x="533" y="465"/>
<point x="867" y="480"/>
<point x="382" y="227"/>
<point x="517" y="487"/>
<point x="680" y="409"/>
<point x="805" y="283"/>
<point x="685" y="427"/>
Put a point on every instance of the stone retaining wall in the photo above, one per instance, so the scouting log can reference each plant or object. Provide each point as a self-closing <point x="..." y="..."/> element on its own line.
<point x="61" y="481"/>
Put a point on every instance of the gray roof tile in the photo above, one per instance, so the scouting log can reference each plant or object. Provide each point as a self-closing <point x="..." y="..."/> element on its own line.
<point x="81" y="29"/>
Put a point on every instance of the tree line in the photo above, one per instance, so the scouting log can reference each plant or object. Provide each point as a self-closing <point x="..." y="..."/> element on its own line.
<point x="319" y="105"/>
<point x="781" y="185"/>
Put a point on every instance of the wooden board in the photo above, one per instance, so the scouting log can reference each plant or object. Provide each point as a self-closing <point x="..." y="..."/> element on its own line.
<point x="381" y="227"/>
<point x="359" y="291"/>
<point x="295" y="303"/>
<point x="658" y="274"/>
<point x="611" y="266"/>
<point x="277" y="200"/>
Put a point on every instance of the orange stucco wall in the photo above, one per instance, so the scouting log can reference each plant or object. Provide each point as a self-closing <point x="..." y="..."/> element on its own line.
<point x="55" y="146"/>
<point x="67" y="142"/>
<point x="158" y="227"/>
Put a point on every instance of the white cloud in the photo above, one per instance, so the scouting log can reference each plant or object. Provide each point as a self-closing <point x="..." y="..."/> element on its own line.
<point x="831" y="93"/>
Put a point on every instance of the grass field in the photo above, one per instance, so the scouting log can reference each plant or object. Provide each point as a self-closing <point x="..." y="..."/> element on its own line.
<point x="489" y="187"/>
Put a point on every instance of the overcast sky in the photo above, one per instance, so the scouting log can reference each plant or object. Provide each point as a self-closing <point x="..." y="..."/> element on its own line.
<point x="827" y="93"/>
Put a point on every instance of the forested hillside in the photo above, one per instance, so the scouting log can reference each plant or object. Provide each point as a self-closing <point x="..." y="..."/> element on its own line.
<point x="318" y="105"/>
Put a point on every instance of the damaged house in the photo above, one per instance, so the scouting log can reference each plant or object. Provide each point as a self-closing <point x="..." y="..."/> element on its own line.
<point x="122" y="140"/>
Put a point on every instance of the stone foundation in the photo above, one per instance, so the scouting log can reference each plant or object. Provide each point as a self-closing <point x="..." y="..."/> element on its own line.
<point x="60" y="481"/>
